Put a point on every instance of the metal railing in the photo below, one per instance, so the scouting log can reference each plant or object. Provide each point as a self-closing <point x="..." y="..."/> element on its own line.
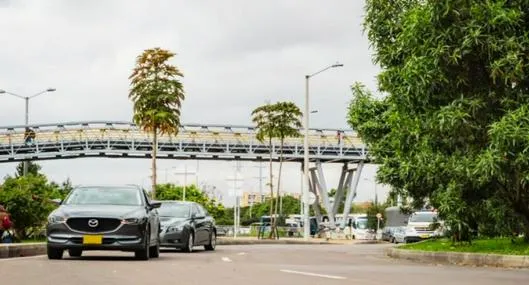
<point x="124" y="139"/>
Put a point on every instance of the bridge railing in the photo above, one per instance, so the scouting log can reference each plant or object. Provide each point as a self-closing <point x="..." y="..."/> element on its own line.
<point x="93" y="131"/>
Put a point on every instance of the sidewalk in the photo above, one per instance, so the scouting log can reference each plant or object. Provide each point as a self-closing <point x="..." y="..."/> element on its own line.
<point x="287" y="240"/>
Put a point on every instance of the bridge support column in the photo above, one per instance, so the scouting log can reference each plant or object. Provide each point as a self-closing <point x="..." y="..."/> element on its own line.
<point x="351" y="193"/>
<point x="316" y="206"/>
<point x="347" y="185"/>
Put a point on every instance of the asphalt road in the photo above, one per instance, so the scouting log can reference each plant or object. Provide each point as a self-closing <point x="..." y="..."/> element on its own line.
<point x="250" y="265"/>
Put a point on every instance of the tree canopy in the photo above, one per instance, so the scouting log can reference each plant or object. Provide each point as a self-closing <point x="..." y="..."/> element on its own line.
<point x="157" y="94"/>
<point x="452" y="128"/>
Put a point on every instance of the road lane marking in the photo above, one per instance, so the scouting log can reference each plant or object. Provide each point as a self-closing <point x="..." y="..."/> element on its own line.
<point x="226" y="259"/>
<point x="312" y="274"/>
<point x="21" y="258"/>
<point x="241" y="253"/>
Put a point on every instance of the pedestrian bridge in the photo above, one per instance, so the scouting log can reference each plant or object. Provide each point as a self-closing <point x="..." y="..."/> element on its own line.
<point x="194" y="141"/>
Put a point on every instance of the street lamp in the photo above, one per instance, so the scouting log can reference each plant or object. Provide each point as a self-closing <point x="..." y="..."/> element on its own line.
<point x="185" y="173"/>
<point x="26" y="98"/>
<point x="306" y="220"/>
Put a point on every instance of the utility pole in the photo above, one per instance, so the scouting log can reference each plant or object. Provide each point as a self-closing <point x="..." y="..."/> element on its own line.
<point x="260" y="177"/>
<point x="236" y="209"/>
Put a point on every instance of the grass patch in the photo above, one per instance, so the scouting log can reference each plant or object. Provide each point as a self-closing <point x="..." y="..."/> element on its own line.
<point x="496" y="246"/>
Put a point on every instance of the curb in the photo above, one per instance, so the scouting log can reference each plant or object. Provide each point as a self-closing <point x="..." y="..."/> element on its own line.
<point x="22" y="250"/>
<point x="32" y="249"/>
<point x="461" y="258"/>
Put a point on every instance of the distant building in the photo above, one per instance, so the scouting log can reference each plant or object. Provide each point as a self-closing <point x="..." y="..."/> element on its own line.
<point x="253" y="197"/>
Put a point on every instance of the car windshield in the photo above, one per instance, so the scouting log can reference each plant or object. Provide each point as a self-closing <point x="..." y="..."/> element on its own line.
<point x="423" y="217"/>
<point x="361" y="224"/>
<point x="174" y="210"/>
<point x="104" y="196"/>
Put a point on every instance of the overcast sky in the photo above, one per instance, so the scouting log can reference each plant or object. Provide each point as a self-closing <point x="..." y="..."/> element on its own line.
<point x="235" y="55"/>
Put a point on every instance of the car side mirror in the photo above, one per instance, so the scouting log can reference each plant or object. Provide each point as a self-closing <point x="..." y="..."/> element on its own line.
<point x="155" y="205"/>
<point x="56" y="201"/>
<point x="197" y="216"/>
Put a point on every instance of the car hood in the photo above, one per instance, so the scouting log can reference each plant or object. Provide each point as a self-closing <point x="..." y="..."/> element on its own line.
<point x="108" y="211"/>
<point x="165" y="221"/>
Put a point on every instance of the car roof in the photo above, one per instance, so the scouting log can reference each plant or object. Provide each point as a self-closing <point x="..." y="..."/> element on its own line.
<point x="176" y="202"/>
<point x="117" y="186"/>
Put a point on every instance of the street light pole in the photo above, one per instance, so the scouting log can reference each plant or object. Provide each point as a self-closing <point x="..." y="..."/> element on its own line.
<point x="306" y="209"/>
<point x="26" y="121"/>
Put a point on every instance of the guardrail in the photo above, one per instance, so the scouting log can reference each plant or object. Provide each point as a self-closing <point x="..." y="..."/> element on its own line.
<point x="123" y="139"/>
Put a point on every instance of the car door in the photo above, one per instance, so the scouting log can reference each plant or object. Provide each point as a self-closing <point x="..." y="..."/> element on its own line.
<point x="153" y="218"/>
<point x="200" y="224"/>
<point x="209" y="222"/>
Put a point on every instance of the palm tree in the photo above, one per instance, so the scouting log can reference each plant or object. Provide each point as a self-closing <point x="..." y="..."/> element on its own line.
<point x="264" y="119"/>
<point x="280" y="120"/>
<point x="157" y="94"/>
<point x="287" y="124"/>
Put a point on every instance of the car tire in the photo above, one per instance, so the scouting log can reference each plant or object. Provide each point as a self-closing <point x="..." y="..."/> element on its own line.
<point x="54" y="253"/>
<point x="190" y="243"/>
<point x="154" y="251"/>
<point x="212" y="242"/>
<point x="74" y="252"/>
<point x="144" y="254"/>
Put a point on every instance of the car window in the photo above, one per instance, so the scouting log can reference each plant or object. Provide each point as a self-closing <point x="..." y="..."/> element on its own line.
<point x="174" y="210"/>
<point x="104" y="196"/>
<point x="202" y="210"/>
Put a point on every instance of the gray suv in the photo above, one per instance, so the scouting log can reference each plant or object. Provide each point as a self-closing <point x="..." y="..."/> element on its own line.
<point x="120" y="218"/>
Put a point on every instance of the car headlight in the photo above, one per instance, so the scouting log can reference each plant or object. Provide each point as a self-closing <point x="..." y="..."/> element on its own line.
<point x="56" y="219"/>
<point x="130" y="221"/>
<point x="410" y="231"/>
<point x="175" y="228"/>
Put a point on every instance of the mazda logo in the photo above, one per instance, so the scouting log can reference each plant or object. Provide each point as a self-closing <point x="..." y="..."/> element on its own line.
<point x="93" y="223"/>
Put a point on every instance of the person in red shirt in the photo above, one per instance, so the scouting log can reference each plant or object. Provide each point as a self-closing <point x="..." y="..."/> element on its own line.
<point x="5" y="223"/>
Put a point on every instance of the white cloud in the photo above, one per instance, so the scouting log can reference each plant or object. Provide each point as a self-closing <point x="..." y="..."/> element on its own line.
<point x="235" y="55"/>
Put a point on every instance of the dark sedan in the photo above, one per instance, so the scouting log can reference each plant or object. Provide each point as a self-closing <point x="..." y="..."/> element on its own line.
<point x="104" y="218"/>
<point x="186" y="225"/>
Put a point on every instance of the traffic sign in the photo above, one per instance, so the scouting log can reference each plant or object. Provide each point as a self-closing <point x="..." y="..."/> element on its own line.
<point x="379" y="215"/>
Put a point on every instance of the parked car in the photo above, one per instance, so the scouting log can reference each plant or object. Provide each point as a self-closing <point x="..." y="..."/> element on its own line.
<point x="186" y="225"/>
<point x="104" y="218"/>
<point x="399" y="235"/>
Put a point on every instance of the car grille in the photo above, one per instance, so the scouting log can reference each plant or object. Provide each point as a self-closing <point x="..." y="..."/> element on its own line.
<point x="423" y="229"/>
<point x="103" y="224"/>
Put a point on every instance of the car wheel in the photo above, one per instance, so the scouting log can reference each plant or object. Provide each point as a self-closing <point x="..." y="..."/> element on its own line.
<point x="154" y="251"/>
<point x="212" y="242"/>
<point x="143" y="254"/>
<point x="74" y="252"/>
<point x="190" y="242"/>
<point x="54" y="253"/>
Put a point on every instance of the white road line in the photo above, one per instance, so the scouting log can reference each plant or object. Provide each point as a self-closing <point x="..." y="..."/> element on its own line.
<point x="21" y="258"/>
<point x="241" y="253"/>
<point x="226" y="259"/>
<point x="312" y="274"/>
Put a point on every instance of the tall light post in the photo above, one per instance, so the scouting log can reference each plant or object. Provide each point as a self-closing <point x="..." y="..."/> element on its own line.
<point x="185" y="173"/>
<point x="26" y="122"/>
<point x="306" y="220"/>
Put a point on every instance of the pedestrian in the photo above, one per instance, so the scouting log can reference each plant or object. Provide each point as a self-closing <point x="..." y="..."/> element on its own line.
<point x="5" y="226"/>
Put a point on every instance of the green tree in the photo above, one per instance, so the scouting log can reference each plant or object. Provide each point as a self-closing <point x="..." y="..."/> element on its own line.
<point x="287" y="123"/>
<point x="28" y="200"/>
<point x="157" y="94"/>
<point x="264" y="118"/>
<point x="452" y="128"/>
<point x="193" y="194"/>
<point x="280" y="120"/>
<point x="33" y="168"/>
